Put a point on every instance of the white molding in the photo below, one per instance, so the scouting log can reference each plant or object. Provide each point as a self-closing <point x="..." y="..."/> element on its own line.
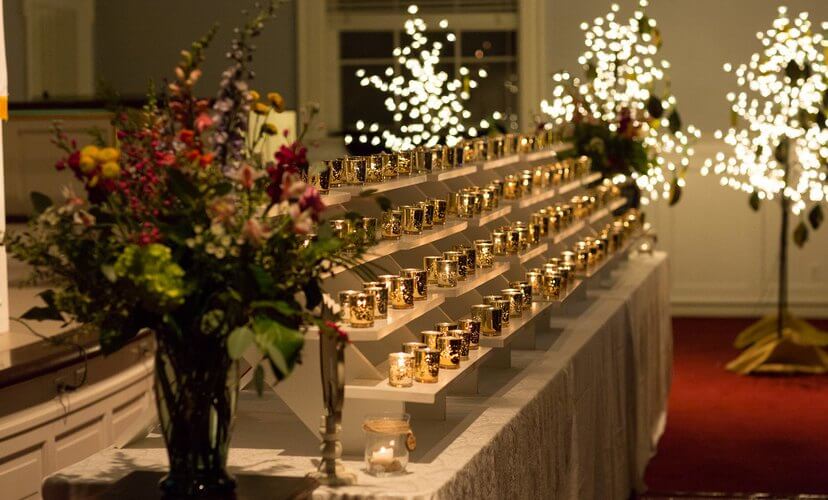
<point x="84" y="57"/>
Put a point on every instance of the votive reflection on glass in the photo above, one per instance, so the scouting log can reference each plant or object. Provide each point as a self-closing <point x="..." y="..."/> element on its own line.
<point x="388" y="164"/>
<point x="400" y="369"/>
<point x="355" y="170"/>
<point x="440" y="210"/>
<point x="552" y="289"/>
<point x="401" y="293"/>
<point x="428" y="214"/>
<point x="449" y="352"/>
<point x="361" y="310"/>
<point x="472" y="326"/>
<point x="420" y="277"/>
<point x="427" y="365"/>
<point x="471" y="258"/>
<point x="447" y="274"/>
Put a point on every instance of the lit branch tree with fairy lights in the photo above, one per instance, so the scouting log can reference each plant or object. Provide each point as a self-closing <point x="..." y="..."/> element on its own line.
<point x="427" y="106"/>
<point x="779" y="142"/>
<point x="622" y="113"/>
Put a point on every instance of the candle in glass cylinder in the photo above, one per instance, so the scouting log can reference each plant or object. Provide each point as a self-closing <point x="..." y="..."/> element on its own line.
<point x="321" y="180"/>
<point x="404" y="163"/>
<point x="525" y="287"/>
<point x="355" y="170"/>
<point x="449" y="352"/>
<point x="465" y="342"/>
<point x="389" y="166"/>
<point x="534" y="279"/>
<point x="432" y="267"/>
<point x="400" y="369"/>
<point x="380" y="293"/>
<point x="472" y="326"/>
<point x="499" y="243"/>
<point x="420" y="277"/>
<point x="368" y="226"/>
<point x="484" y="255"/>
<point x="361" y="310"/>
<point x="447" y="275"/>
<point x="462" y="263"/>
<point x="401" y="293"/>
<point x="428" y="214"/>
<point x="427" y="365"/>
<point x="471" y="258"/>
<point x="429" y="337"/>
<point x="515" y="298"/>
<point x="552" y="289"/>
<point x="513" y="241"/>
<point x="391" y="225"/>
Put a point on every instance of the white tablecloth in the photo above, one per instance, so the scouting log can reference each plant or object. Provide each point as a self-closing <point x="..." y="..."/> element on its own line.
<point x="580" y="420"/>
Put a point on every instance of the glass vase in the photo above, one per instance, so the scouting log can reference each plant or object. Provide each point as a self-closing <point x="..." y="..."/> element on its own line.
<point x="196" y="390"/>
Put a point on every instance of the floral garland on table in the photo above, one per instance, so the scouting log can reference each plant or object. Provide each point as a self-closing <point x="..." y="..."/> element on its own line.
<point x="622" y="114"/>
<point x="185" y="226"/>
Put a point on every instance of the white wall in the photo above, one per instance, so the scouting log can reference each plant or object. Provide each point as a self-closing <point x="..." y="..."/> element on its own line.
<point x="723" y="254"/>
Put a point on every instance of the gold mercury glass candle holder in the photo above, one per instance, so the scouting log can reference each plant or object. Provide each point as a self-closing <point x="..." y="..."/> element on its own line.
<point x="380" y="294"/>
<point x="427" y="365"/>
<point x="420" y="277"/>
<point x="440" y="210"/>
<point x="499" y="243"/>
<point x="355" y="170"/>
<point x="462" y="263"/>
<point x="552" y="289"/>
<point x="361" y="310"/>
<point x="490" y="318"/>
<point x="449" y="352"/>
<point x="447" y="275"/>
<point x="465" y="342"/>
<point x="345" y="304"/>
<point x="484" y="254"/>
<point x="472" y="326"/>
<point x="471" y="258"/>
<point x="428" y="214"/>
<point x="321" y="179"/>
<point x="432" y="267"/>
<point x="389" y="166"/>
<point x="534" y="279"/>
<point x="526" y="289"/>
<point x="401" y="292"/>
<point x="337" y="172"/>
<point x="391" y="225"/>
<point x="412" y="219"/>
<point x="429" y="338"/>
<point x="505" y="306"/>
<point x="373" y="171"/>
<point x="515" y="298"/>
<point x="400" y="369"/>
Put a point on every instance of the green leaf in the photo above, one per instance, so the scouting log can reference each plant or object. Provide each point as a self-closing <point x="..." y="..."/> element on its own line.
<point x="644" y="25"/>
<point x="781" y="152"/>
<point x="258" y="379"/>
<point x="815" y="216"/>
<point x="40" y="202"/>
<point x="654" y="107"/>
<point x="800" y="234"/>
<point x="222" y="188"/>
<point x="591" y="71"/>
<point x="279" y="343"/>
<point x="279" y="306"/>
<point x="263" y="280"/>
<point x="675" y="121"/>
<point x="238" y="341"/>
<point x="384" y="203"/>
<point x="313" y="294"/>
<point x="793" y="71"/>
<point x="49" y="312"/>
<point x="109" y="273"/>
<point x="754" y="201"/>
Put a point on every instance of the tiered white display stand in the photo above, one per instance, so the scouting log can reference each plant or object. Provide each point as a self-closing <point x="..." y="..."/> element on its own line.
<point x="367" y="390"/>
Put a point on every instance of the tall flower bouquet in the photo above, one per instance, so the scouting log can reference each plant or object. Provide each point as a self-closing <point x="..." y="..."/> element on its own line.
<point x="621" y="113"/>
<point x="186" y="230"/>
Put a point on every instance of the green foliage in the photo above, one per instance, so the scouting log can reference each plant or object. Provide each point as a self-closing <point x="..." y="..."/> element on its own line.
<point x="800" y="234"/>
<point x="815" y="216"/>
<point x="40" y="202"/>
<point x="151" y="271"/>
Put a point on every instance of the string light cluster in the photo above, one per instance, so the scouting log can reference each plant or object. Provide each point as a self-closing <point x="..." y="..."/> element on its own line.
<point x="427" y="105"/>
<point x="782" y="100"/>
<point x="624" y="81"/>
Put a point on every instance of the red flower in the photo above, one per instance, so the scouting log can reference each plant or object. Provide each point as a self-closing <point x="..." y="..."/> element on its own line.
<point x="311" y="200"/>
<point x="186" y="136"/>
<point x="203" y="121"/>
<point x="334" y="328"/>
<point x="206" y="159"/>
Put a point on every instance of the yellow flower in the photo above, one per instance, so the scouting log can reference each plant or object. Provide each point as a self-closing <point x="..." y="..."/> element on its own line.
<point x="90" y="150"/>
<point x="93" y="182"/>
<point x="270" y="129"/>
<point x="277" y="101"/>
<point x="253" y="95"/>
<point x="110" y="170"/>
<point x="108" y="154"/>
<point x="261" y="108"/>
<point x="87" y="163"/>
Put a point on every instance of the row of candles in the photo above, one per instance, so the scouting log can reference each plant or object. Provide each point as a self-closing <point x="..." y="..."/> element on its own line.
<point x="422" y="216"/>
<point x="361" y="309"/>
<point x="360" y="170"/>
<point x="450" y="343"/>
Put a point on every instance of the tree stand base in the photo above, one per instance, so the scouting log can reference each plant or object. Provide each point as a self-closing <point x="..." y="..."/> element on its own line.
<point x="797" y="350"/>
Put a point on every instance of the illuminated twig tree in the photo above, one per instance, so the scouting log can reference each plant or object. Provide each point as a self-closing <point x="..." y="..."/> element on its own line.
<point x="426" y="104"/>
<point x="779" y="142"/>
<point x="622" y="110"/>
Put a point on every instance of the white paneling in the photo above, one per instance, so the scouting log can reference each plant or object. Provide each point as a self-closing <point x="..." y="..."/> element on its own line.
<point x="20" y="475"/>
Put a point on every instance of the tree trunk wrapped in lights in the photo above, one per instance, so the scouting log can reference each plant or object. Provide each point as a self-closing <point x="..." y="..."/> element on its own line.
<point x="778" y="137"/>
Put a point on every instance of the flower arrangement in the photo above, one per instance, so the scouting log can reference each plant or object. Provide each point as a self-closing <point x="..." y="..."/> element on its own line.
<point x="185" y="229"/>
<point x="622" y="114"/>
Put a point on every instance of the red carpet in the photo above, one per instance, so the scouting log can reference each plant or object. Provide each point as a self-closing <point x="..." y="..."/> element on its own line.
<point x="729" y="433"/>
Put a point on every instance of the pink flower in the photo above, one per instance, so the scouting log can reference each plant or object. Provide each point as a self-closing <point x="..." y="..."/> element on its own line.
<point x="254" y="232"/>
<point x="311" y="200"/>
<point x="302" y="219"/>
<point x="203" y="121"/>
<point x="246" y="175"/>
<point x="165" y="159"/>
